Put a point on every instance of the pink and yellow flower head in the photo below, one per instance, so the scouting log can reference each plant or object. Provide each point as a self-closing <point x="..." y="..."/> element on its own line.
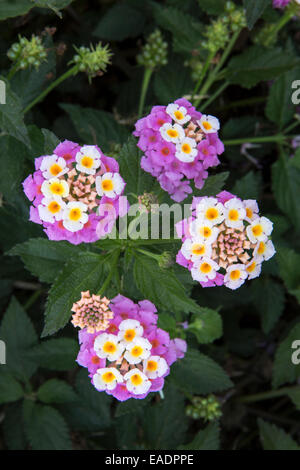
<point x="225" y="241"/>
<point x="179" y="144"/>
<point x="132" y="356"/>
<point x="91" y="312"/>
<point x="68" y="190"/>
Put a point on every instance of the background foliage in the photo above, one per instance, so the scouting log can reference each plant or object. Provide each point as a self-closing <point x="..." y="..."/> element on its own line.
<point x="241" y="349"/>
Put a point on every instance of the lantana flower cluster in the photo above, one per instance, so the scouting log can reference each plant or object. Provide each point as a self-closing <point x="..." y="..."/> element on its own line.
<point x="225" y="240"/>
<point x="75" y="193"/>
<point x="284" y="3"/>
<point x="180" y="144"/>
<point x="131" y="356"/>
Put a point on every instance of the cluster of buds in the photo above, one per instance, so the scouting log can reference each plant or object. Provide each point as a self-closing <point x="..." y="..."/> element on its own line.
<point x="146" y="201"/>
<point x="93" y="60"/>
<point x="76" y="193"/>
<point x="225" y="241"/>
<point x="180" y="144"/>
<point x="154" y="52"/>
<point x="91" y="312"/>
<point x="235" y="17"/>
<point x="27" y="53"/>
<point x="206" y="408"/>
<point x="217" y="35"/>
<point x="131" y="356"/>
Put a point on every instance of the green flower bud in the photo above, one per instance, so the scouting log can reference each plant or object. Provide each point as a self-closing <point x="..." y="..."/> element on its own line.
<point x="146" y="201"/>
<point x="93" y="60"/>
<point x="206" y="408"/>
<point x="217" y="35"/>
<point x="166" y="260"/>
<point x="27" y="52"/>
<point x="154" y="52"/>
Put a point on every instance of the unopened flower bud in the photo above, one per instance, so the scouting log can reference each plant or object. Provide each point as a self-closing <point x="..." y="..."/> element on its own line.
<point x="206" y="408"/>
<point x="27" y="52"/>
<point x="154" y="52"/>
<point x="93" y="60"/>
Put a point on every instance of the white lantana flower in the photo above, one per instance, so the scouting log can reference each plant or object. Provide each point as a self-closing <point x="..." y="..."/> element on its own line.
<point x="171" y="133"/>
<point x="107" y="378"/>
<point x="209" y="124"/>
<point x="109" y="185"/>
<point x="253" y="268"/>
<point x="129" y="330"/>
<point x="259" y="229"/>
<point x="155" y="366"/>
<point x="137" y="350"/>
<point x="264" y="250"/>
<point x="186" y="150"/>
<point x="195" y="248"/>
<point x="211" y="210"/>
<point x="235" y="276"/>
<point x="178" y="113"/>
<point x="55" y="187"/>
<point x="235" y="213"/>
<point x="88" y="159"/>
<point x="204" y="230"/>
<point x="53" y="166"/>
<point x="51" y="209"/>
<point x="75" y="216"/>
<point x="252" y="210"/>
<point x="137" y="382"/>
<point x="107" y="346"/>
<point x="204" y="270"/>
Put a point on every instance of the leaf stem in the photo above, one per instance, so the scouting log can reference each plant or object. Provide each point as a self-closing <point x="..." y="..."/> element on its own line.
<point x="215" y="95"/>
<point x="203" y="73"/>
<point x="258" y="140"/>
<point x="267" y="395"/>
<point x="58" y="81"/>
<point x="32" y="299"/>
<point x="113" y="267"/>
<point x="146" y="80"/>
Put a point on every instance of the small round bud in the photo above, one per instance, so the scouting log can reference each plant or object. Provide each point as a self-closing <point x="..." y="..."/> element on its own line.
<point x="93" y="61"/>
<point x="154" y="52"/>
<point x="27" y="52"/>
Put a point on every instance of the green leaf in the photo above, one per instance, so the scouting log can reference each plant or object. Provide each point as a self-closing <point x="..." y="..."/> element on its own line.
<point x="249" y="186"/>
<point x="45" y="258"/>
<point x="275" y="438"/>
<point x="85" y="272"/>
<point x="11" y="117"/>
<point x="20" y="337"/>
<point x="206" y="326"/>
<point x="167" y="90"/>
<point x="213" y="185"/>
<point x="268" y="298"/>
<point x="96" y="127"/>
<point x="13" y="430"/>
<point x="158" y="420"/>
<point x="197" y="373"/>
<point x="212" y="8"/>
<point x="55" y="354"/>
<point x="10" y="389"/>
<point x="289" y="269"/>
<point x="12" y="8"/>
<point x="46" y="429"/>
<point x="113" y="27"/>
<point x="13" y="171"/>
<point x="286" y="186"/>
<point x="280" y="108"/>
<point x="56" y="391"/>
<point x="283" y="369"/>
<point x="207" y="439"/>
<point x="254" y="10"/>
<point x="257" y="64"/>
<point x="134" y="407"/>
<point x="161" y="286"/>
<point x="294" y="395"/>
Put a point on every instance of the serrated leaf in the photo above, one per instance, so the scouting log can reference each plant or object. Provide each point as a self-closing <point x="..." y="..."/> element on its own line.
<point x="86" y="272"/>
<point x="289" y="269"/>
<point x="268" y="298"/>
<point x="294" y="395"/>
<point x="286" y="186"/>
<point x="161" y="286"/>
<point x="10" y="389"/>
<point x="132" y="407"/>
<point x="280" y="108"/>
<point x="249" y="186"/>
<point x="13" y="427"/>
<point x="283" y="368"/>
<point x="113" y="27"/>
<point x="167" y="90"/>
<point x="96" y="127"/>
<point x="213" y="185"/>
<point x="55" y="354"/>
<point x="46" y="429"/>
<point x="20" y="337"/>
<point x="56" y="391"/>
<point x="45" y="258"/>
<point x="254" y="10"/>
<point x="12" y="8"/>
<point x="12" y="172"/>
<point x="275" y="438"/>
<point x="207" y="439"/>
<point x="212" y="8"/>
<point x="206" y="326"/>
<point x="199" y="374"/>
<point x="257" y="64"/>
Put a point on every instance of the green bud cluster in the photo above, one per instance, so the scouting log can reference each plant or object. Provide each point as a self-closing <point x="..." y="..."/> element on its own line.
<point x="92" y="60"/>
<point x="217" y="35"/>
<point x="166" y="260"/>
<point x="196" y="67"/>
<point x="265" y="36"/>
<point x="154" y="52"/>
<point x="146" y="200"/>
<point x="206" y="408"/>
<point x="27" y="53"/>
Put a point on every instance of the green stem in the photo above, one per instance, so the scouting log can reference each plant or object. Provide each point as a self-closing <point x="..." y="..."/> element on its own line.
<point x="289" y="13"/>
<point x="291" y="127"/>
<point x="111" y="272"/>
<point x="13" y="70"/>
<point x="58" y="81"/>
<point x="32" y="299"/>
<point x="146" y="80"/>
<point x="156" y="241"/>
<point x="267" y="395"/>
<point x="149" y="254"/>
<point x="203" y="73"/>
<point x="255" y="140"/>
<point x="215" y="95"/>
